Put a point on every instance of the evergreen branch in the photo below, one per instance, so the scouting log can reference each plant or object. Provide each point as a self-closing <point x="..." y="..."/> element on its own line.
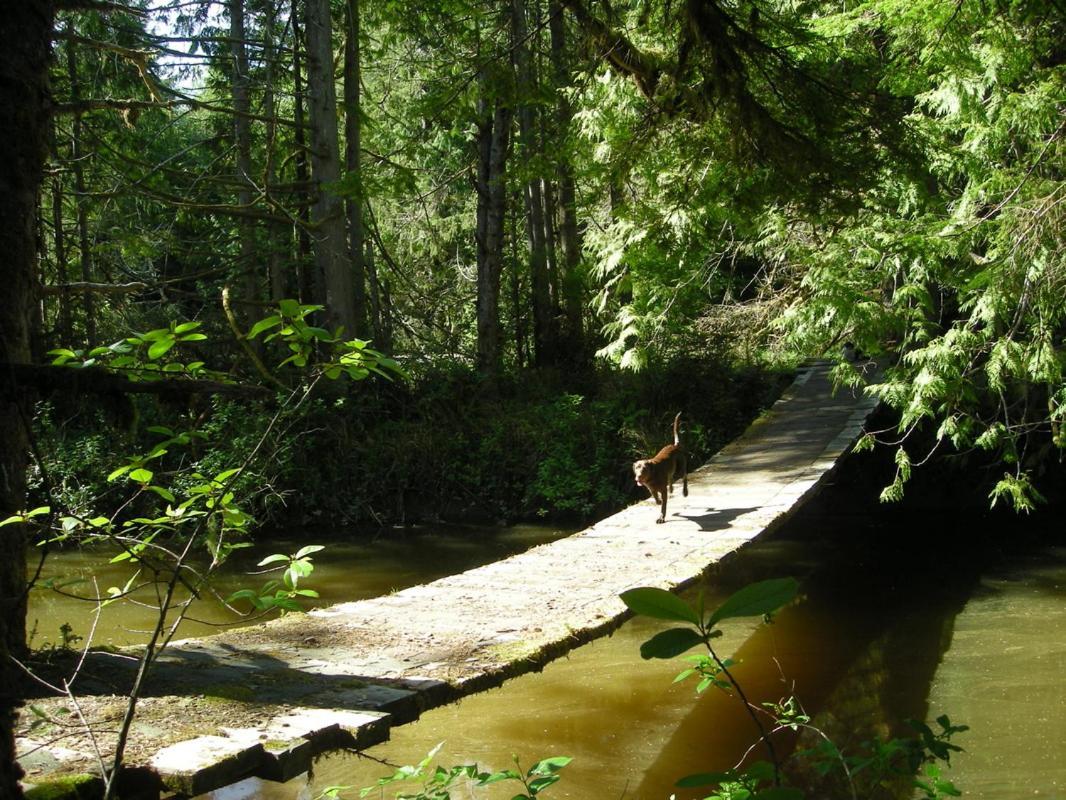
<point x="100" y="103"/>
<point x="101" y="6"/>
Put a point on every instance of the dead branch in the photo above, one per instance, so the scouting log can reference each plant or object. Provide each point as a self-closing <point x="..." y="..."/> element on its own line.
<point x="93" y="288"/>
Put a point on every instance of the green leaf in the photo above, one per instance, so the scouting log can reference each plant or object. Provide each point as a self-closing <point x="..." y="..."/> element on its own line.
<point x="286" y="603"/>
<point x="264" y="324"/>
<point x="301" y="567"/>
<point x="538" y="784"/>
<point x="706" y="684"/>
<point x="548" y="766"/>
<point x="223" y="476"/>
<point x="166" y="494"/>
<point x="161" y="348"/>
<point x="185" y="327"/>
<point x="502" y="775"/>
<point x="757" y="599"/>
<point x="242" y="594"/>
<point x="670" y="643"/>
<point x="141" y="475"/>
<point x="659" y="604"/>
<point x="273" y="559"/>
<point x="26" y="516"/>
<point x="118" y="473"/>
<point x="308" y="550"/>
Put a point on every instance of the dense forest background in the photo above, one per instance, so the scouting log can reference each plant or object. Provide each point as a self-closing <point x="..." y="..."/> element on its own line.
<point x="370" y="261"/>
<point x="525" y="204"/>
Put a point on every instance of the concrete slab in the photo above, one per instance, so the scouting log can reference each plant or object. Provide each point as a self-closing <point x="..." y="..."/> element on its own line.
<point x="199" y="765"/>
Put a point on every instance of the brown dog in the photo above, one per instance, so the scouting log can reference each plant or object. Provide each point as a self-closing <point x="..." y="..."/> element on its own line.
<point x="659" y="472"/>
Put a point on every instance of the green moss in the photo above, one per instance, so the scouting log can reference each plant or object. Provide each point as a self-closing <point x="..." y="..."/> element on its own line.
<point x="510" y="652"/>
<point x="274" y="745"/>
<point x="69" y="787"/>
<point x="227" y="691"/>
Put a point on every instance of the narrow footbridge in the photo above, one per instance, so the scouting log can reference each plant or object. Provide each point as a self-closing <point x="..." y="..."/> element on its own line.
<point x="265" y="700"/>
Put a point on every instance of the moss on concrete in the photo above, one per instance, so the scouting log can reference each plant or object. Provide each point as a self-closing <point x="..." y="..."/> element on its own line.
<point x="229" y="691"/>
<point x="69" y="787"/>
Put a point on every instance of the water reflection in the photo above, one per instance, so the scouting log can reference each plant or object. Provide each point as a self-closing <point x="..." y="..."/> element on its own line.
<point x="1003" y="676"/>
<point x="903" y="617"/>
<point x="899" y="621"/>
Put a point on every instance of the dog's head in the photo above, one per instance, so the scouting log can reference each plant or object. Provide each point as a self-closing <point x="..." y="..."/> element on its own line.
<point x="641" y="471"/>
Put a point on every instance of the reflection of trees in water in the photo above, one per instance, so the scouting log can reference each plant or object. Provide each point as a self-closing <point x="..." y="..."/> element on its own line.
<point x="884" y="687"/>
<point x="859" y="653"/>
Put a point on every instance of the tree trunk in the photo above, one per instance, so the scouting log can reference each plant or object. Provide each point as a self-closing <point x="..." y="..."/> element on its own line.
<point x="551" y="236"/>
<point x="493" y="138"/>
<point x="543" y="318"/>
<point x="59" y="252"/>
<point x="516" y="296"/>
<point x="572" y="272"/>
<point x="279" y="282"/>
<point x="327" y="213"/>
<point x="378" y="323"/>
<point x="242" y="139"/>
<point x="86" y="258"/>
<point x="25" y="36"/>
<point x="307" y="281"/>
<point x="353" y="160"/>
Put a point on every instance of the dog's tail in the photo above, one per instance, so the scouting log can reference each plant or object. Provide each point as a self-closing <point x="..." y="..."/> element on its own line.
<point x="684" y="460"/>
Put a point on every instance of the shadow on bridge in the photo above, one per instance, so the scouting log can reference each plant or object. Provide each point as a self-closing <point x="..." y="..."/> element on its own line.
<point x="717" y="519"/>
<point x="222" y="672"/>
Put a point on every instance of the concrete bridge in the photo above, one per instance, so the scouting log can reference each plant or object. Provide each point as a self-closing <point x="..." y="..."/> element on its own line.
<point x="265" y="700"/>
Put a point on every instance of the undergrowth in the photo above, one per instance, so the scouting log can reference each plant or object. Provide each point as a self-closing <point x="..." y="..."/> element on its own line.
<point x="439" y="447"/>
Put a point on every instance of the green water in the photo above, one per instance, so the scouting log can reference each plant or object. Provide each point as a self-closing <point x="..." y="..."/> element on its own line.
<point x="349" y="569"/>
<point x="895" y="624"/>
<point x="902" y="617"/>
